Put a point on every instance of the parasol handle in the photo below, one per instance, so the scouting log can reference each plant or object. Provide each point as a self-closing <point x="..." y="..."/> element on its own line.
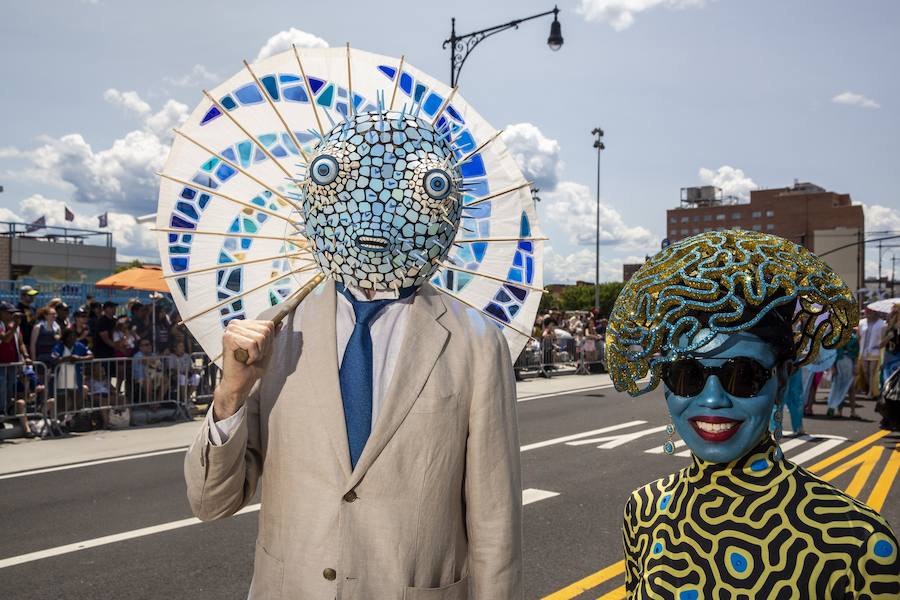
<point x="241" y="355"/>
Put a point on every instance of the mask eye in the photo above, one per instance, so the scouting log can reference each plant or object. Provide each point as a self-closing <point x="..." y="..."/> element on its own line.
<point x="323" y="170"/>
<point x="437" y="184"/>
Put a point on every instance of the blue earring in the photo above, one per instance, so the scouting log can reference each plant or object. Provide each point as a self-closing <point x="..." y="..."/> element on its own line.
<point x="669" y="446"/>
<point x="779" y="431"/>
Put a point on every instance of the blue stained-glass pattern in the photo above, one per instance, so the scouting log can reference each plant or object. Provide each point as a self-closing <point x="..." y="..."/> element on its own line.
<point x="211" y="114"/>
<point x="248" y="94"/>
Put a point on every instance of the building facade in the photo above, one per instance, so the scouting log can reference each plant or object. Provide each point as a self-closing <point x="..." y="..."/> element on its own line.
<point x="823" y="221"/>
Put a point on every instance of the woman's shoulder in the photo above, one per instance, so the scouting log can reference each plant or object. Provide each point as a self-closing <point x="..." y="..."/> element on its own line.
<point x="828" y="500"/>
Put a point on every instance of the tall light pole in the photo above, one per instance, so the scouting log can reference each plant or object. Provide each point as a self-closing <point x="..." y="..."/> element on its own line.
<point x="462" y="45"/>
<point x="598" y="144"/>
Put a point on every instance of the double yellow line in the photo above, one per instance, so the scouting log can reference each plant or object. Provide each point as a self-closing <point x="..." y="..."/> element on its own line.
<point x="592" y="581"/>
<point x="866" y="463"/>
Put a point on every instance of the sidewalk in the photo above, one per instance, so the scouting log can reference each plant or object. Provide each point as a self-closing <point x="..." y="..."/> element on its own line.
<point x="27" y="455"/>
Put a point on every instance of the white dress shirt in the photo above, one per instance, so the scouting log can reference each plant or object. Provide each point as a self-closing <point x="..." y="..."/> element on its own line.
<point x="870" y="338"/>
<point x="387" y="329"/>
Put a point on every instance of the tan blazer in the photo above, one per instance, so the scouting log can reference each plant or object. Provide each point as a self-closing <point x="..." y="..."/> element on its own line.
<point x="432" y="510"/>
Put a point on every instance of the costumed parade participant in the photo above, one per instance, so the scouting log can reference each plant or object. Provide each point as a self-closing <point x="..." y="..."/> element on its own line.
<point x="377" y="415"/>
<point x="722" y="319"/>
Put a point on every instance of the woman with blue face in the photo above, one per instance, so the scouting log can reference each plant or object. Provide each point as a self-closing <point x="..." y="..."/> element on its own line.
<point x="723" y="319"/>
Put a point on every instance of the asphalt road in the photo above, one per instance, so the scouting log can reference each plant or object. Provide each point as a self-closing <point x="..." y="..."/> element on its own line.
<point x="577" y="479"/>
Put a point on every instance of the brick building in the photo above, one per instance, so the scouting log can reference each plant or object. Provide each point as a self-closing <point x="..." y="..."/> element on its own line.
<point x="803" y="213"/>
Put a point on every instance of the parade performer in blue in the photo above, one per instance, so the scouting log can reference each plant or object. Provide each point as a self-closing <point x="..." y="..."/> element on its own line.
<point x="723" y="319"/>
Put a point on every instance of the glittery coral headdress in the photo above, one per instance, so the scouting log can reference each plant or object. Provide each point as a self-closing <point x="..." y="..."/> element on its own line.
<point x="733" y="279"/>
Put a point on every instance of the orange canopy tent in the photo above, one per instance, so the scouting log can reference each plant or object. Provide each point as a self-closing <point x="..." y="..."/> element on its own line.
<point x="148" y="279"/>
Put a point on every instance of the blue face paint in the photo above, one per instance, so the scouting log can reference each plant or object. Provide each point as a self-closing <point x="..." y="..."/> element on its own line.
<point x="714" y="409"/>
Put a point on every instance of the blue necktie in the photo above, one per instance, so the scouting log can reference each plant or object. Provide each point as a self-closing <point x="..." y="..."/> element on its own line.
<point x="356" y="372"/>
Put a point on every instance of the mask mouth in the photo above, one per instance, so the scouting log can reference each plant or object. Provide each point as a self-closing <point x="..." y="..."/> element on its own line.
<point x="371" y="242"/>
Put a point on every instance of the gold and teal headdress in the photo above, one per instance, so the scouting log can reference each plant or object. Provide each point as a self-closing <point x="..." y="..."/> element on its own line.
<point x="723" y="282"/>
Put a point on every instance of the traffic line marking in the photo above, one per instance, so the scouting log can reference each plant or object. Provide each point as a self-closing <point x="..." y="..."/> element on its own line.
<point x="614" y="441"/>
<point x="91" y="463"/>
<point x="589" y="582"/>
<point x="617" y="594"/>
<point x="604" y="386"/>
<point x="531" y="495"/>
<point x="576" y="436"/>
<point x="817" y="449"/>
<point x="108" y="539"/>
<point x="866" y="464"/>
<point x="848" y="451"/>
<point x="880" y="492"/>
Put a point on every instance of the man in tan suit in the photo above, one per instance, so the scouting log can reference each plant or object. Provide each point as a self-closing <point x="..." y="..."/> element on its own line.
<point x="432" y="509"/>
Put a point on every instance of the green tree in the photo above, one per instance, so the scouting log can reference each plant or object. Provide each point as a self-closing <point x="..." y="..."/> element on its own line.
<point x="581" y="297"/>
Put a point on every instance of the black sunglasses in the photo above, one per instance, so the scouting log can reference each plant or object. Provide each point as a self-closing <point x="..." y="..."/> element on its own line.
<point x="740" y="376"/>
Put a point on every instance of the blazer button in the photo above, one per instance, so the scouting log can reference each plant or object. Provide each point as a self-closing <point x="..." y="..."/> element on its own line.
<point x="350" y="496"/>
<point x="329" y="574"/>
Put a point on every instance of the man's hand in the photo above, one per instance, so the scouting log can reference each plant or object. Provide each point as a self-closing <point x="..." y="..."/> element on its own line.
<point x="237" y="377"/>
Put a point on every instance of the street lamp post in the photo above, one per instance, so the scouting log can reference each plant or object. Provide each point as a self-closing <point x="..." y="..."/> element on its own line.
<point x="462" y="45"/>
<point x="598" y="144"/>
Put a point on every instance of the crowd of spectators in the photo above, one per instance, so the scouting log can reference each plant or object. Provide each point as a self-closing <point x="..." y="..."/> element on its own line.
<point x="565" y="338"/>
<point x="145" y="354"/>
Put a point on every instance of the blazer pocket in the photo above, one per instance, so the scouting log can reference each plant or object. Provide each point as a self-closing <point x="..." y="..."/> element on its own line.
<point x="268" y="576"/>
<point x="435" y="403"/>
<point x="454" y="591"/>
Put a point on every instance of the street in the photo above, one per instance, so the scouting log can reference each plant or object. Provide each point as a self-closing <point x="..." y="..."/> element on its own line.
<point x="123" y="529"/>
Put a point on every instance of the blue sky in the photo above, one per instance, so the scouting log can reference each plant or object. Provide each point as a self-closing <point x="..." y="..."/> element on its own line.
<point x="743" y="89"/>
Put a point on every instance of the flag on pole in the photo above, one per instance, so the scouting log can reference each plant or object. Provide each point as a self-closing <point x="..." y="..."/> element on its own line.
<point x="35" y="225"/>
<point x="103" y="220"/>
<point x="70" y="216"/>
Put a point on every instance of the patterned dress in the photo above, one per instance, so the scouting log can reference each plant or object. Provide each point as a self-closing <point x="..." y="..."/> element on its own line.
<point x="755" y="528"/>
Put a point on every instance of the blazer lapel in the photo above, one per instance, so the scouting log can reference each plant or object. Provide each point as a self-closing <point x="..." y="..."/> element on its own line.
<point x="321" y="376"/>
<point x="422" y="345"/>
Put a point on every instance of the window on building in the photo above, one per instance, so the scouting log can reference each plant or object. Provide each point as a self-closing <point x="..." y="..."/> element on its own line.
<point x="736" y="215"/>
<point x="673" y="219"/>
<point x="685" y="219"/>
<point x="707" y="229"/>
<point x="696" y="219"/>
<point x="770" y="213"/>
<point x="720" y="217"/>
<point x="684" y="232"/>
<point x="696" y="230"/>
<point x="707" y="217"/>
<point x="770" y="227"/>
<point x="757" y="228"/>
<point x="757" y="214"/>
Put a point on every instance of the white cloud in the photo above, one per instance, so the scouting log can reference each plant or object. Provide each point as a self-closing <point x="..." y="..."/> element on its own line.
<point x="620" y="13"/>
<point x="130" y="101"/>
<point x="854" y="99"/>
<point x="580" y="266"/>
<point x="131" y="239"/>
<point x="574" y="208"/>
<point x="121" y="176"/>
<point x="536" y="154"/>
<point x="881" y="218"/>
<point x="197" y="77"/>
<point x="732" y="181"/>
<point x="283" y="40"/>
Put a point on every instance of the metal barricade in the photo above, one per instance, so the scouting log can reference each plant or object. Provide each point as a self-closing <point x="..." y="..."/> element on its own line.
<point x="125" y="391"/>
<point x="209" y="376"/>
<point x="26" y="404"/>
<point x="529" y="361"/>
<point x="591" y="355"/>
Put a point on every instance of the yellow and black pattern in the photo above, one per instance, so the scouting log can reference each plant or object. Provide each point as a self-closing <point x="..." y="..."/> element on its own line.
<point x="755" y="528"/>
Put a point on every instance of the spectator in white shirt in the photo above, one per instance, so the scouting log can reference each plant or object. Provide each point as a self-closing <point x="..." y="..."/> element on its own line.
<point x="869" y="353"/>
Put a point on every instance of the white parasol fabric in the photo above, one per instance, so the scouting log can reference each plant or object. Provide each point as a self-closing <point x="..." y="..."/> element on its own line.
<point x="883" y="306"/>
<point x="229" y="216"/>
